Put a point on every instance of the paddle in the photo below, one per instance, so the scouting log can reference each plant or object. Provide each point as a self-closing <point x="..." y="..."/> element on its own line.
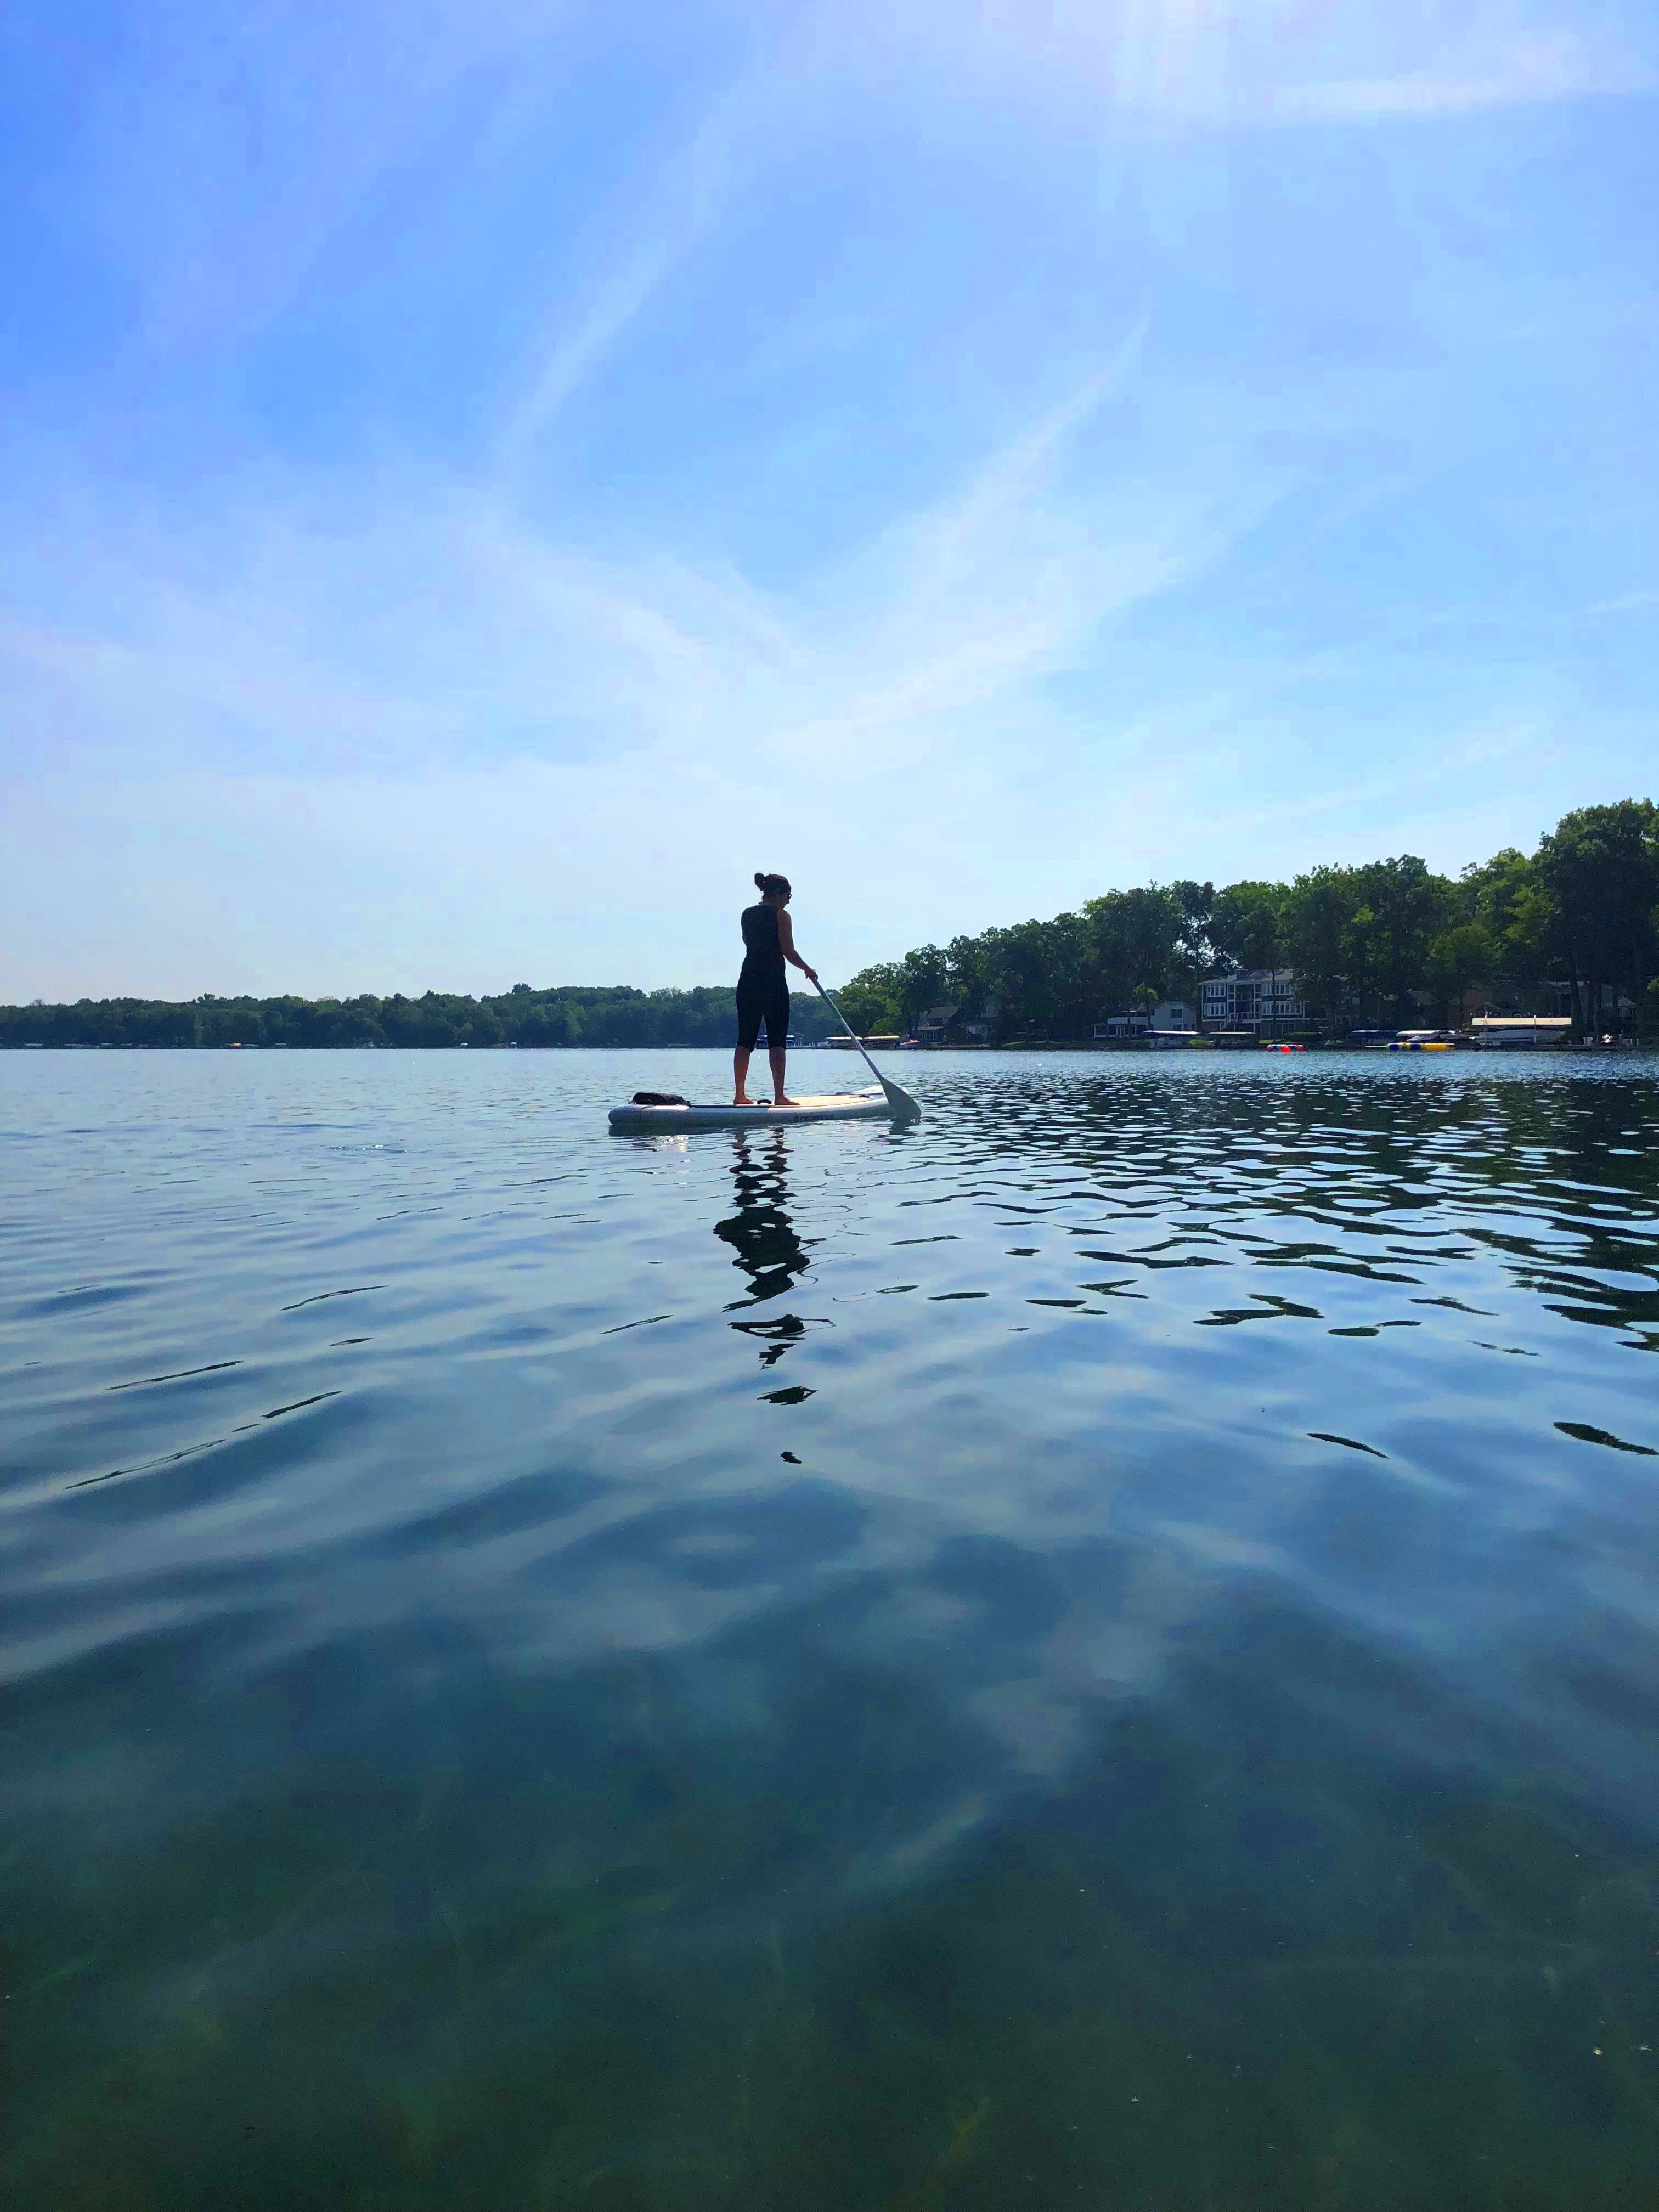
<point x="900" y="1101"/>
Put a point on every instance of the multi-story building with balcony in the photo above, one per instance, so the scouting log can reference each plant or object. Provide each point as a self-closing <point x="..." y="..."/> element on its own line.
<point x="1267" y="1001"/>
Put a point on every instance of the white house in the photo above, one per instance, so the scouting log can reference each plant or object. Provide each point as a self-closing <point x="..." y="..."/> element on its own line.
<point x="1266" y="1000"/>
<point x="1172" y="1017"/>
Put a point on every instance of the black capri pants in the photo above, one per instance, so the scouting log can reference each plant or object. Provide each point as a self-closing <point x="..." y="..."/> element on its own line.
<point x="763" y="999"/>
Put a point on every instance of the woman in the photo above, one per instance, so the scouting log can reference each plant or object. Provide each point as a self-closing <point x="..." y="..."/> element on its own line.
<point x="763" y="988"/>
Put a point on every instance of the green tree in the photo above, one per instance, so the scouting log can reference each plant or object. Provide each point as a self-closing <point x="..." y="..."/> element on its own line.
<point x="1363" y="953"/>
<point x="1402" y="907"/>
<point x="1248" y="924"/>
<point x="1507" y="897"/>
<point x="1600" y="867"/>
<point x="1459" y="956"/>
<point x="965" y="977"/>
<point x="1320" y="912"/>
<point x="1195" y="948"/>
<point x="1034" y="976"/>
<point x="1138" y="941"/>
<point x="1065" y="967"/>
<point x="544" y="1025"/>
<point x="922" y="982"/>
<point x="871" y="999"/>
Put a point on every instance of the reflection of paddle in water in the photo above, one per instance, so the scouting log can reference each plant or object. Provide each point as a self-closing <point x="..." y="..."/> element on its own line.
<point x="763" y="1238"/>
<point x="782" y="1334"/>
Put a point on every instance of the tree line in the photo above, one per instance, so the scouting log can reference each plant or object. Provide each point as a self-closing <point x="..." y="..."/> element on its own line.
<point x="1388" y="941"/>
<point x="568" y="1015"/>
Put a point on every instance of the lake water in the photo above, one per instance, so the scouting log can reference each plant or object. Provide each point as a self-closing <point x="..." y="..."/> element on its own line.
<point x="1102" y="1649"/>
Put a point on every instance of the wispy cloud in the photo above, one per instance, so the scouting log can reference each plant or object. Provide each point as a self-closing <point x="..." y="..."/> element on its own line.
<point x="1228" y="62"/>
<point x="467" y="682"/>
<point x="575" y="354"/>
<point x="1527" y="72"/>
<point x="654" y="221"/>
<point x="421" y="616"/>
<point x="214" y="161"/>
<point x="1627" y="603"/>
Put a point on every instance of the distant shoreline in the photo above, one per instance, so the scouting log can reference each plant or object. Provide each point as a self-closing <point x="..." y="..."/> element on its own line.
<point x="608" y="1017"/>
<point x="1105" y="1046"/>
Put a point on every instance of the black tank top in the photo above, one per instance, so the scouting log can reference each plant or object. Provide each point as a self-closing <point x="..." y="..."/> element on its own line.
<point x="763" y="954"/>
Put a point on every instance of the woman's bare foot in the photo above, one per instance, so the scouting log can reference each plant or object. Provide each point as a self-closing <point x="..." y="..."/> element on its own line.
<point x="781" y="1101"/>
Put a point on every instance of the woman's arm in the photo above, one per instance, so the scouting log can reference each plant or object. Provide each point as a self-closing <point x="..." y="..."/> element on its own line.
<point x="787" y="940"/>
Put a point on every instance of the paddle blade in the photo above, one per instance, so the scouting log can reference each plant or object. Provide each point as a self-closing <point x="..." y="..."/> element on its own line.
<point x="904" y="1107"/>
<point x="901" y="1105"/>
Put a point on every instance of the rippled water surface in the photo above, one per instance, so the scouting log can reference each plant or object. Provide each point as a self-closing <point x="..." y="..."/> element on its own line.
<point x="1102" y="1650"/>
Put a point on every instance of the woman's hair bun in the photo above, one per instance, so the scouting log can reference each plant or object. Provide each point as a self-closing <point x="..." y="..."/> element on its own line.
<point x="760" y="880"/>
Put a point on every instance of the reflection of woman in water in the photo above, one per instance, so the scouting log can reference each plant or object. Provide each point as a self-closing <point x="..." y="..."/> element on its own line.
<point x="763" y="987"/>
<point x="761" y="1232"/>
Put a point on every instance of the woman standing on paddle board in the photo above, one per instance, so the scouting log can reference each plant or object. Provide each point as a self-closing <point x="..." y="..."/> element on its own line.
<point x="763" y="987"/>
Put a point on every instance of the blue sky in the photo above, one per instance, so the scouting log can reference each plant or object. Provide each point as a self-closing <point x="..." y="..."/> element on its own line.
<point x="479" y="480"/>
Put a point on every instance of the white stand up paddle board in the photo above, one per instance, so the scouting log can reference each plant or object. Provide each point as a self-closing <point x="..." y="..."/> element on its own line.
<point x="672" y="1120"/>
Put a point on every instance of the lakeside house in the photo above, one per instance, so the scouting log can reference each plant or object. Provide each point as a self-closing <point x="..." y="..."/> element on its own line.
<point x="1265" y="1001"/>
<point x="1168" y="1018"/>
<point x="933" y="1024"/>
<point x="937" y="1026"/>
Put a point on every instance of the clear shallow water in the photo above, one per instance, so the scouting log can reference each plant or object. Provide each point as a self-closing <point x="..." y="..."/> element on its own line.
<point x="1102" y="1650"/>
